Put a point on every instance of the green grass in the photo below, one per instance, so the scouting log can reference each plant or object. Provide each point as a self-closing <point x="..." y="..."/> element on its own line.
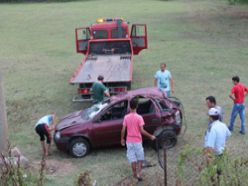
<point x="204" y="44"/>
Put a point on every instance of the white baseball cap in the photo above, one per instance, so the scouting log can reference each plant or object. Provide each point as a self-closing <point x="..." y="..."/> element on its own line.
<point x="213" y="112"/>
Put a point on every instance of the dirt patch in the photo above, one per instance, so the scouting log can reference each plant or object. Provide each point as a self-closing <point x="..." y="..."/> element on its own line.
<point x="55" y="167"/>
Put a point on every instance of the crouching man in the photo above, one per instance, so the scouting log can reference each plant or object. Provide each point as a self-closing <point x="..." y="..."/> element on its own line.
<point x="43" y="128"/>
<point x="134" y="123"/>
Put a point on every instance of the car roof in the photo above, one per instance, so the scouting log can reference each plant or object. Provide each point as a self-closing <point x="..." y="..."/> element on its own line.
<point x="145" y="92"/>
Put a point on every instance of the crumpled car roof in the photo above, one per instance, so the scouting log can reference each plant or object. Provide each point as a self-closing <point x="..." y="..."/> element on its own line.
<point x="146" y="92"/>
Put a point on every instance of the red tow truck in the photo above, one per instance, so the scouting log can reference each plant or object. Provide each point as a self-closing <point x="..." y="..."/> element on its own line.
<point x="109" y="48"/>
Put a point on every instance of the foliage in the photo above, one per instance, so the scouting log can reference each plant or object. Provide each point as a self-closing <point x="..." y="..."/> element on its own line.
<point x="232" y="2"/>
<point x="203" y="43"/>
<point x="84" y="179"/>
<point x="232" y="170"/>
<point x="12" y="173"/>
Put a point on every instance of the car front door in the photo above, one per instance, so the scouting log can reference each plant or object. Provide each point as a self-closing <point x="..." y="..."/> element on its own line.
<point x="107" y="127"/>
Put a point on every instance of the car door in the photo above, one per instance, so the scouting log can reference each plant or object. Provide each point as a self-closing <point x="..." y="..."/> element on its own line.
<point x="82" y="38"/>
<point x="139" y="37"/>
<point x="107" y="127"/>
<point x="150" y="113"/>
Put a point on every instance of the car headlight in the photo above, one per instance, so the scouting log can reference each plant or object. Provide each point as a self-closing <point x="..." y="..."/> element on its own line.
<point x="57" y="135"/>
<point x="178" y="118"/>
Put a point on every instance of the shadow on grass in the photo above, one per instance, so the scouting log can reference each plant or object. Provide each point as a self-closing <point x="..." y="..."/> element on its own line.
<point x="40" y="1"/>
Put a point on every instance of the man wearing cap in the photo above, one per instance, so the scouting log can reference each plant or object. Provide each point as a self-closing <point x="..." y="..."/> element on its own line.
<point x="215" y="139"/>
<point x="215" y="136"/>
<point x="99" y="90"/>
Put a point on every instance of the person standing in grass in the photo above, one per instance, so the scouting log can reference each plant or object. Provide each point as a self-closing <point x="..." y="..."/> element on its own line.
<point x="133" y="123"/>
<point x="164" y="81"/>
<point x="211" y="103"/>
<point x="43" y="128"/>
<point x="99" y="90"/>
<point x="238" y="93"/>
<point x="215" y="140"/>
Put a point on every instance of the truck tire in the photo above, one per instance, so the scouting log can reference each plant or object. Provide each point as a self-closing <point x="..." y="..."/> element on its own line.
<point x="79" y="147"/>
<point x="167" y="138"/>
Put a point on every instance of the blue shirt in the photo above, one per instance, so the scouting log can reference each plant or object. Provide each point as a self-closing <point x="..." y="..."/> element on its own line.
<point x="163" y="80"/>
<point x="216" y="136"/>
<point x="48" y="120"/>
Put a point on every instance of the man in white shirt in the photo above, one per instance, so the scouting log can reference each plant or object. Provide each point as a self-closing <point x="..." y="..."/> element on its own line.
<point x="215" y="140"/>
<point x="216" y="135"/>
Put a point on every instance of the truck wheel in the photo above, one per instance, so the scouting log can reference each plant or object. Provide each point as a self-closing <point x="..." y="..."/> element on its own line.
<point x="79" y="147"/>
<point x="167" y="138"/>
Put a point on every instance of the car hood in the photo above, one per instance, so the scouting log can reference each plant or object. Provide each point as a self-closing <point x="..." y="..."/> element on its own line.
<point x="70" y="120"/>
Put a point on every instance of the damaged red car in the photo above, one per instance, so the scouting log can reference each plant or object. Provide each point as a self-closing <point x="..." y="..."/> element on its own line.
<point x="101" y="124"/>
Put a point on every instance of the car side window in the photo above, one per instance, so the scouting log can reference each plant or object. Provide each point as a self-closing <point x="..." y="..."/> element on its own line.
<point x="116" y="111"/>
<point x="162" y="105"/>
<point x="145" y="106"/>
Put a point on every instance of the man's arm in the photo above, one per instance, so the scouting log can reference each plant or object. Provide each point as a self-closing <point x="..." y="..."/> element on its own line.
<point x="155" y="82"/>
<point x="172" y="85"/>
<point x="209" y="154"/>
<point x="231" y="95"/>
<point x="147" y="134"/>
<point x="246" y="91"/>
<point x="106" y="93"/>
<point x="123" y="131"/>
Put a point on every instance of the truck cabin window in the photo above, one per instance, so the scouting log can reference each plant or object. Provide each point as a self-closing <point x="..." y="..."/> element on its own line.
<point x="100" y="34"/>
<point x="110" y="48"/>
<point x="115" y="34"/>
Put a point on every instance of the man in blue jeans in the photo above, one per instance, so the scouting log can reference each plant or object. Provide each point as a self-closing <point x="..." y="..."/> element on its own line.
<point x="238" y="93"/>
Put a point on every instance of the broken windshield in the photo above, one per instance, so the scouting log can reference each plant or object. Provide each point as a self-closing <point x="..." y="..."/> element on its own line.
<point x="89" y="113"/>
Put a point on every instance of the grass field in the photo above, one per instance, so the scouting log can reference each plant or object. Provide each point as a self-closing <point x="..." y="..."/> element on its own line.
<point x="204" y="44"/>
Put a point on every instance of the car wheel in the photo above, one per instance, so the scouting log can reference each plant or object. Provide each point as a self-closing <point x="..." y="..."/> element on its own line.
<point x="167" y="138"/>
<point x="79" y="147"/>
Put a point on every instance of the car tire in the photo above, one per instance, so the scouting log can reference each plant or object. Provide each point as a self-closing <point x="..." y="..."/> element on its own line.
<point x="79" y="147"/>
<point x="167" y="138"/>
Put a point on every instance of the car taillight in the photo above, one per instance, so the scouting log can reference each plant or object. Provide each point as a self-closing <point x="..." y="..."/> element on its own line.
<point x="84" y="91"/>
<point x="120" y="89"/>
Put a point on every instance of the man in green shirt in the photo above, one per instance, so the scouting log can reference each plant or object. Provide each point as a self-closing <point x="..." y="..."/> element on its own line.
<point x="99" y="90"/>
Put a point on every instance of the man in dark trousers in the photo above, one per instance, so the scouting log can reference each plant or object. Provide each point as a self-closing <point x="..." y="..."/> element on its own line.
<point x="99" y="90"/>
<point x="238" y="93"/>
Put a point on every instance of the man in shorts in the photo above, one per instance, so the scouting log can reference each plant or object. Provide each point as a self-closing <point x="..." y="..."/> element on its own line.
<point x="164" y="81"/>
<point x="134" y="123"/>
<point x="43" y="128"/>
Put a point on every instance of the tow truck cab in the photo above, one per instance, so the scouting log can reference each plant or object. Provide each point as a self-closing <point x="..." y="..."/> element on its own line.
<point x="108" y="47"/>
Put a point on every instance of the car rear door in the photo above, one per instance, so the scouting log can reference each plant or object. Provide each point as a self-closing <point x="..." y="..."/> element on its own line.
<point x="150" y="113"/>
<point x="83" y="36"/>
<point x="139" y="37"/>
<point x="107" y="128"/>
